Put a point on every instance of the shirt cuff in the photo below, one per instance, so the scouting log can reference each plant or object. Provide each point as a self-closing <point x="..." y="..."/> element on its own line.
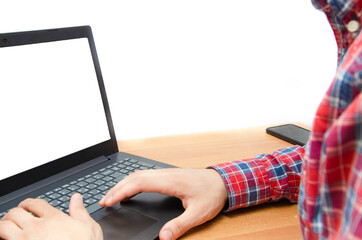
<point x="247" y="182"/>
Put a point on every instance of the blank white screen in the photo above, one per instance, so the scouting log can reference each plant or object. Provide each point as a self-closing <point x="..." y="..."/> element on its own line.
<point x="50" y="104"/>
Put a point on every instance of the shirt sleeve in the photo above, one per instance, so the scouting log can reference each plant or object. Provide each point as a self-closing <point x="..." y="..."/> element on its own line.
<point x="264" y="178"/>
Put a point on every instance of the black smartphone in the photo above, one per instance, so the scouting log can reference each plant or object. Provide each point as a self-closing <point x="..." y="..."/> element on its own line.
<point x="290" y="133"/>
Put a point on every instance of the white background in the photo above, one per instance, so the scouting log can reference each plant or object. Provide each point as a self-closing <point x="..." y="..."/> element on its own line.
<point x="186" y="66"/>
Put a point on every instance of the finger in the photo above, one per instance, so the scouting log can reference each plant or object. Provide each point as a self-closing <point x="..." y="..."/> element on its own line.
<point x="141" y="181"/>
<point x="120" y="185"/>
<point x="77" y="209"/>
<point x="19" y="216"/>
<point x="178" y="226"/>
<point x="38" y="207"/>
<point x="9" y="230"/>
<point x="109" y="200"/>
<point x="117" y="188"/>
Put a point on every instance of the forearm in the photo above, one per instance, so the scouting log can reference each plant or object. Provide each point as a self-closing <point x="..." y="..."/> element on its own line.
<point x="264" y="178"/>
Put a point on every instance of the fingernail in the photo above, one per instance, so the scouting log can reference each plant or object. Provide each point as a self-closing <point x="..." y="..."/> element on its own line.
<point x="167" y="235"/>
<point x="108" y="201"/>
<point x="78" y="198"/>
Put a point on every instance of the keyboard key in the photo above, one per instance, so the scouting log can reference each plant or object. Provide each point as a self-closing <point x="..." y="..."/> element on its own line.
<point x="124" y="171"/>
<point x="73" y="188"/>
<point x="117" y="174"/>
<point x="64" y="191"/>
<point x="102" y="188"/>
<point x="94" y="192"/>
<point x="98" y="176"/>
<point x="86" y="196"/>
<point x="121" y="166"/>
<point x="90" y="201"/>
<point x="65" y="205"/>
<point x="115" y="168"/>
<point x="99" y="182"/>
<point x="107" y="172"/>
<point x="54" y="196"/>
<point x="61" y="208"/>
<point x="49" y="193"/>
<point x="81" y="184"/>
<point x="90" y="180"/>
<point x="91" y="186"/>
<point x="111" y="184"/>
<point x="146" y="164"/>
<point x="107" y="179"/>
<point x="82" y="190"/>
<point x="71" y="193"/>
<point x="64" y="198"/>
<point x="98" y="197"/>
<point x="130" y="168"/>
<point x="55" y="203"/>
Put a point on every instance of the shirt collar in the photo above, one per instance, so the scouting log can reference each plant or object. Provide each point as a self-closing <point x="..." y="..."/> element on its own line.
<point x="344" y="10"/>
<point x="345" y="17"/>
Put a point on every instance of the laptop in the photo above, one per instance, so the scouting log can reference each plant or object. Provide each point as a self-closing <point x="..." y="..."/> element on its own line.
<point x="57" y="136"/>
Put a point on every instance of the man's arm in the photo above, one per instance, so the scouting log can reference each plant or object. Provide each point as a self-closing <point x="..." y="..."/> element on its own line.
<point x="267" y="177"/>
<point x="204" y="192"/>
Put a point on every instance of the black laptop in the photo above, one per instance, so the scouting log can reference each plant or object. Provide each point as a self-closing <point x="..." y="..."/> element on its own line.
<point x="57" y="136"/>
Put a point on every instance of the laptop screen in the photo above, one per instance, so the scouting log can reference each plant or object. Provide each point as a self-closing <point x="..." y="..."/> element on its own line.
<point x="50" y="104"/>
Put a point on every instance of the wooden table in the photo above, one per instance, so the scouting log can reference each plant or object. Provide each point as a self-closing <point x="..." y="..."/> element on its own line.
<point x="267" y="221"/>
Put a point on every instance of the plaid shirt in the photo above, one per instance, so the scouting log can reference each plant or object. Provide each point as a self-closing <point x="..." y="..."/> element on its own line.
<point x="326" y="174"/>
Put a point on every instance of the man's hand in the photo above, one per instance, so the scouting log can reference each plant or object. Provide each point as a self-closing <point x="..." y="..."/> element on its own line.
<point x="202" y="192"/>
<point x="48" y="222"/>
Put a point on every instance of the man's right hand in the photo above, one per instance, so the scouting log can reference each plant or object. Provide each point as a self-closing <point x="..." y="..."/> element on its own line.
<point x="202" y="192"/>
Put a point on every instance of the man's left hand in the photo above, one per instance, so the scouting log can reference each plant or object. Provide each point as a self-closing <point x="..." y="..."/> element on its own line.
<point x="46" y="222"/>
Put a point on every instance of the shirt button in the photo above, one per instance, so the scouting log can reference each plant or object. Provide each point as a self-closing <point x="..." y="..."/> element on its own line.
<point x="353" y="26"/>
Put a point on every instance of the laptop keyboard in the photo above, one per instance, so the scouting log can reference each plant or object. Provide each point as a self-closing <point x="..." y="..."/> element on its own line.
<point x="92" y="186"/>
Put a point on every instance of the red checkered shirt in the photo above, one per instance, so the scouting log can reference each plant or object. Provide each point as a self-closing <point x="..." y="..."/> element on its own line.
<point x="324" y="176"/>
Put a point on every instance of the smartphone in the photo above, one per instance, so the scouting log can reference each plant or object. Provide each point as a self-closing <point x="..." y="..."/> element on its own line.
<point x="290" y="133"/>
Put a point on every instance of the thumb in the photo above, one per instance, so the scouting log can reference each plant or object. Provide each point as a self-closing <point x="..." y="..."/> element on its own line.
<point x="178" y="226"/>
<point x="76" y="207"/>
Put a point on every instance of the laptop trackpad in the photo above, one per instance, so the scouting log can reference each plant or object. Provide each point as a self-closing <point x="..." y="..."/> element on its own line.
<point x="124" y="224"/>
